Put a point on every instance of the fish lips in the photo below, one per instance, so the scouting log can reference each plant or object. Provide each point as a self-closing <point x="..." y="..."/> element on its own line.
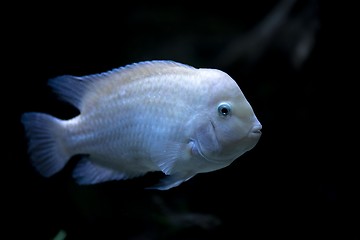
<point x="253" y="136"/>
<point x="255" y="131"/>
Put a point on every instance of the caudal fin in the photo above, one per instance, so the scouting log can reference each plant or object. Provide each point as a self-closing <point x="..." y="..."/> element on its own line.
<point x="46" y="142"/>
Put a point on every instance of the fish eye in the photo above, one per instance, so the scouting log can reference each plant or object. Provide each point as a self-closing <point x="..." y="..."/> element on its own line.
<point x="224" y="109"/>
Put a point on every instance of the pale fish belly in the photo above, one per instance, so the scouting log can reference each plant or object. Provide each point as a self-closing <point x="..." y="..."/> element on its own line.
<point x="123" y="128"/>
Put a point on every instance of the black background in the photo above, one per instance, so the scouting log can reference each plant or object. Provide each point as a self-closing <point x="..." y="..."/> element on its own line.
<point x="298" y="182"/>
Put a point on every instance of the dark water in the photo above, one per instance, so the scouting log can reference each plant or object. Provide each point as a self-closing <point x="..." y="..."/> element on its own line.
<point x="296" y="183"/>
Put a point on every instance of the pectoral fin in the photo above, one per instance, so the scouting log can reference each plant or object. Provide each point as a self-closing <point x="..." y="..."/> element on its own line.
<point x="166" y="156"/>
<point x="171" y="181"/>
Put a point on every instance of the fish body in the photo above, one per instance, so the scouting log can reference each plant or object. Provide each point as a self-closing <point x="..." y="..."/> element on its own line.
<point x="143" y="117"/>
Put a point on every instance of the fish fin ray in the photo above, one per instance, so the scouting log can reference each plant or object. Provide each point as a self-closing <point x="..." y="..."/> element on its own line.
<point x="69" y="88"/>
<point x="87" y="172"/>
<point x="166" y="156"/>
<point x="171" y="181"/>
<point x="46" y="142"/>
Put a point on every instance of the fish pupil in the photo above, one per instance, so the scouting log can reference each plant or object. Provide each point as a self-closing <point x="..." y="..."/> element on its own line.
<point x="224" y="109"/>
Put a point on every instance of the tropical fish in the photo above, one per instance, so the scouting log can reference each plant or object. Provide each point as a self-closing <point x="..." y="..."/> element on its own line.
<point x="148" y="116"/>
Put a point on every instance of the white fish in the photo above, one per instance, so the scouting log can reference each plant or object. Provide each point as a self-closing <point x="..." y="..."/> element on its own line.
<point x="148" y="116"/>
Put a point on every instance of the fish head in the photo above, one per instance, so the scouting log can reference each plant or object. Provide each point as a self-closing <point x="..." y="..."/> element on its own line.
<point x="229" y="126"/>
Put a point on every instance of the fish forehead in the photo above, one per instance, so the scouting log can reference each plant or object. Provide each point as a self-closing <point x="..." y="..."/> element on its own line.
<point x="224" y="89"/>
<point x="221" y="82"/>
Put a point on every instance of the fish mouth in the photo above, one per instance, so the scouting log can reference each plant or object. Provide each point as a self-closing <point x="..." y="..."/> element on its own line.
<point x="255" y="131"/>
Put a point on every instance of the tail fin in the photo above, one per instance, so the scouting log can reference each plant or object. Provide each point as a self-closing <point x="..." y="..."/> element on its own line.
<point x="46" y="142"/>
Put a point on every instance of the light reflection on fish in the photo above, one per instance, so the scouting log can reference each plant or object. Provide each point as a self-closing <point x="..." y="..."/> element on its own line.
<point x="148" y="116"/>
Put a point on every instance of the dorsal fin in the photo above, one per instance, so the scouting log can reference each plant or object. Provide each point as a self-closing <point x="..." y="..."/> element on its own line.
<point x="73" y="89"/>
